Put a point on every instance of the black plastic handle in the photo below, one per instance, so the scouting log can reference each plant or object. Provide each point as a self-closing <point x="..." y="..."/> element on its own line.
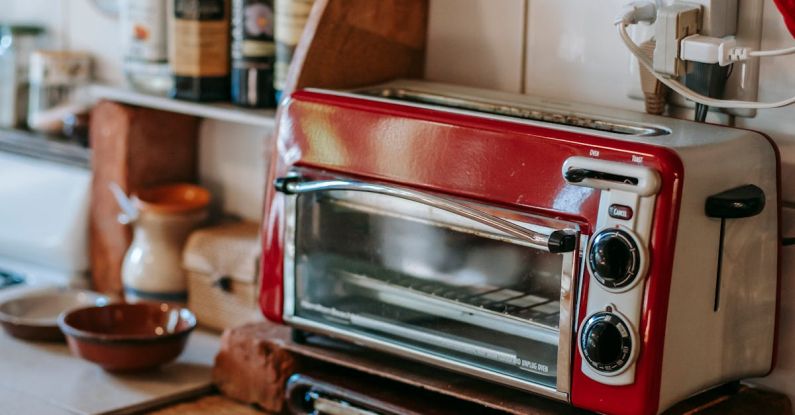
<point x="740" y="202"/>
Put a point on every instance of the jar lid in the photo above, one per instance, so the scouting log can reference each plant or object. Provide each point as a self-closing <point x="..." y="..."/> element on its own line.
<point x="22" y="29"/>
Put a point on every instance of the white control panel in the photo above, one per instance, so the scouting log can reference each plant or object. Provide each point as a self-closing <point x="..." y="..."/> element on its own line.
<point x="617" y="261"/>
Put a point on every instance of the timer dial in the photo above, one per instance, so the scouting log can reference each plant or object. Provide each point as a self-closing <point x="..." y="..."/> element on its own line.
<point x="614" y="258"/>
<point x="606" y="342"/>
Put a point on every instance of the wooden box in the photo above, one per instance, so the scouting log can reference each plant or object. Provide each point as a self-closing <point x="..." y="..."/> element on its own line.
<point x="221" y="265"/>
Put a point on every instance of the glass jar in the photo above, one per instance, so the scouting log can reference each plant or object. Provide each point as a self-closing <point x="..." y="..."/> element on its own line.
<point x="17" y="42"/>
<point x="57" y="88"/>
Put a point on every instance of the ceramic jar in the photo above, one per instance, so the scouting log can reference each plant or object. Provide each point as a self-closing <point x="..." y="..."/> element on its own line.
<point x="166" y="215"/>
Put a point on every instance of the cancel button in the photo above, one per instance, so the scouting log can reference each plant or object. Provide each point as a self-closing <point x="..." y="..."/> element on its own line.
<point x="620" y="212"/>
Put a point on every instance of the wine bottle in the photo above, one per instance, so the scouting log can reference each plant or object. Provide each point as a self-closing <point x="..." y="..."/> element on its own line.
<point x="253" y="53"/>
<point x="199" y="49"/>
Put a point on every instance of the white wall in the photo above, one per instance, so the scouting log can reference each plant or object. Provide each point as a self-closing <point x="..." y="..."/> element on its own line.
<point x="73" y="24"/>
<point x="232" y="160"/>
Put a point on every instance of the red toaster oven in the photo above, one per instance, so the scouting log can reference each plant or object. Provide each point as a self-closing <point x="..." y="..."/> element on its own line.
<point x="614" y="260"/>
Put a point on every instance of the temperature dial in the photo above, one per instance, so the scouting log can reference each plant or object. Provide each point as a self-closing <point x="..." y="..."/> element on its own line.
<point x="614" y="258"/>
<point x="606" y="342"/>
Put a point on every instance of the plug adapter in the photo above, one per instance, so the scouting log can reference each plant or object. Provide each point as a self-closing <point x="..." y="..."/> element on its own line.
<point x="674" y="23"/>
<point x="718" y="17"/>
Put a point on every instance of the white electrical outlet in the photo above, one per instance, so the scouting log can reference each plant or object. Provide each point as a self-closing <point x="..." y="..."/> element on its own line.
<point x="743" y="84"/>
<point x="719" y="17"/>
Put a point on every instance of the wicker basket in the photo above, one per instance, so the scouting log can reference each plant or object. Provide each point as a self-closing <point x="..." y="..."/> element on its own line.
<point x="221" y="264"/>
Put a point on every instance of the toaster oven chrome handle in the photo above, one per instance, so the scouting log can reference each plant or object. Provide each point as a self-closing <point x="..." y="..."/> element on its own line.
<point x="557" y="242"/>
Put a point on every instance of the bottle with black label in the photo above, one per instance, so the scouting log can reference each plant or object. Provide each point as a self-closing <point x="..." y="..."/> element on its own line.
<point x="199" y="49"/>
<point x="253" y="53"/>
<point x="291" y="18"/>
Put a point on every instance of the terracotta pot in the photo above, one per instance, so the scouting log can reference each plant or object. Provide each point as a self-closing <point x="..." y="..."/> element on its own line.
<point x="128" y="337"/>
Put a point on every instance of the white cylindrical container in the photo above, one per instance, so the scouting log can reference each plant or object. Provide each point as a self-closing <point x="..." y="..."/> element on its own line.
<point x="152" y="268"/>
<point x="145" y="45"/>
<point x="17" y="43"/>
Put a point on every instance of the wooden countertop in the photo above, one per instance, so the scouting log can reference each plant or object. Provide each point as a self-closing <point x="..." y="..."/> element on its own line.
<point x="209" y="405"/>
<point x="44" y="378"/>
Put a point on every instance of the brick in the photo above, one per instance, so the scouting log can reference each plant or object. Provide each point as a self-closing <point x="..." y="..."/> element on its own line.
<point x="253" y="367"/>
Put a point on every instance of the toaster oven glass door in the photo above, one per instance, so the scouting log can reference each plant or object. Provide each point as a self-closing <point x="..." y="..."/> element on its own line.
<point x="422" y="280"/>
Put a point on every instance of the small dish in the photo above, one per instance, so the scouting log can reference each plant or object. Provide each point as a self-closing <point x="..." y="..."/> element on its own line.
<point x="128" y="337"/>
<point x="34" y="315"/>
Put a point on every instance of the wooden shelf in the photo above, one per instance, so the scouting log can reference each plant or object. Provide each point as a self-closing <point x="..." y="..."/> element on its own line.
<point x="46" y="147"/>
<point x="220" y="111"/>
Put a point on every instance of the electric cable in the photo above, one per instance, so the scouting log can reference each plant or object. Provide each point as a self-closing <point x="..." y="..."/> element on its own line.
<point x="707" y="79"/>
<point x="683" y="90"/>
<point x="776" y="52"/>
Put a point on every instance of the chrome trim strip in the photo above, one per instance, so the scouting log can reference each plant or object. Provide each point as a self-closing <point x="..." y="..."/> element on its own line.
<point x="483" y="351"/>
<point x="532" y="238"/>
<point x="569" y="288"/>
<point x="288" y="272"/>
<point x="441" y="101"/>
<point x="322" y="405"/>
<point x="424" y="357"/>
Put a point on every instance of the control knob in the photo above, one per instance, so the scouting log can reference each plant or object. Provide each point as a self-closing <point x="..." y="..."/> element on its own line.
<point x="606" y="342"/>
<point x="614" y="258"/>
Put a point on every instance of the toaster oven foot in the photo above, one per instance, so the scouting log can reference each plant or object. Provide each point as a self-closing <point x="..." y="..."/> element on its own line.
<point x="299" y="336"/>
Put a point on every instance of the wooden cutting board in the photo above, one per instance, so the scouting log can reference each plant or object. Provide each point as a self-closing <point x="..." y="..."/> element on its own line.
<point x="42" y="378"/>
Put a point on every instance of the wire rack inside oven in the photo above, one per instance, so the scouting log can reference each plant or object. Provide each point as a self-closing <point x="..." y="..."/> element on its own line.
<point x="514" y="301"/>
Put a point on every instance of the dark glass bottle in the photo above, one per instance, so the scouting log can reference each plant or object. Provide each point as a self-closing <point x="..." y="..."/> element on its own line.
<point x="253" y="53"/>
<point x="199" y="50"/>
<point x="291" y="18"/>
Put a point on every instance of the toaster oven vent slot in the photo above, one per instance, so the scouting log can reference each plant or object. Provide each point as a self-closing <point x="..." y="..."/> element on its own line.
<point x="518" y="111"/>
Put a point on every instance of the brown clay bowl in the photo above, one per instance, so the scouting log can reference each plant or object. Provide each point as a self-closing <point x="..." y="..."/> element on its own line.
<point x="34" y="315"/>
<point x="128" y="337"/>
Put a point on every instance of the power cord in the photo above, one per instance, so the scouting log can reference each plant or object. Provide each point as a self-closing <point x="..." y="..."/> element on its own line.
<point x="724" y="51"/>
<point x="777" y="52"/>
<point x="622" y="24"/>
<point x="708" y="79"/>
<point x="720" y="51"/>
